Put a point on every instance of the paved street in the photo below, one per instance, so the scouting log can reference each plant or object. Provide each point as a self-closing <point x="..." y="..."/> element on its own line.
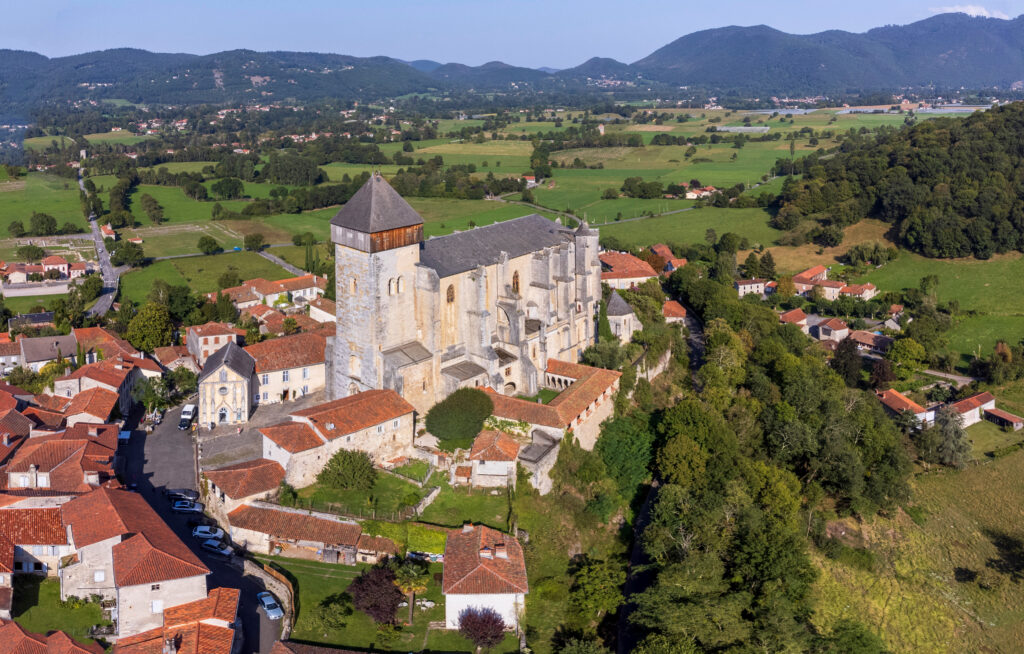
<point x="165" y="459"/>
<point x="281" y="262"/>
<point x="110" y="276"/>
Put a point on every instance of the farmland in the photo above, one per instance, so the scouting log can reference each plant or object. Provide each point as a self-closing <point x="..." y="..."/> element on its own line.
<point x="200" y="273"/>
<point x="56" y="196"/>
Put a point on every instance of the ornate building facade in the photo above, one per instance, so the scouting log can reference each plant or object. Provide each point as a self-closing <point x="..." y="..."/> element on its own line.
<point x="485" y="307"/>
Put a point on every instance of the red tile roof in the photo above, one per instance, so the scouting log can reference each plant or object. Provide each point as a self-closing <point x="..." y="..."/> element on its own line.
<point x="857" y="289"/>
<point x="377" y="544"/>
<point x="214" y="329"/>
<point x="292" y="436"/>
<point x="325" y="305"/>
<point x="68" y="457"/>
<point x="150" y="553"/>
<point x="247" y="478"/>
<point x="263" y="287"/>
<point x="33" y="526"/>
<point x="95" y="402"/>
<point x="835" y="324"/>
<point x="221" y="604"/>
<point x="168" y="355"/>
<point x="98" y="339"/>
<point x="355" y="412"/>
<point x="492" y="445"/>
<point x="806" y="276"/>
<point x="295" y="351"/>
<point x="200" y="627"/>
<point x="793" y="316"/>
<point x="14" y="639"/>
<point x="54" y="260"/>
<point x="468" y="572"/>
<point x="293" y="284"/>
<point x="673" y="309"/>
<point x="623" y="265"/>
<point x="295" y="525"/>
<point x="1004" y="415"/>
<point x="898" y="402"/>
<point x="973" y="402"/>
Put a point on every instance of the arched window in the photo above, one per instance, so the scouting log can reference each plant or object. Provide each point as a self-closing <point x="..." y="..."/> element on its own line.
<point x="391" y="286"/>
<point x="353" y="366"/>
<point x="400" y="285"/>
<point x="515" y="282"/>
<point x="352" y="286"/>
<point x="450" y="294"/>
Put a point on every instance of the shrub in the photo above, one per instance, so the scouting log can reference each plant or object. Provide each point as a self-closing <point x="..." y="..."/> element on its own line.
<point x="482" y="626"/>
<point x="348" y="470"/>
<point x="375" y="594"/>
<point x="457" y="419"/>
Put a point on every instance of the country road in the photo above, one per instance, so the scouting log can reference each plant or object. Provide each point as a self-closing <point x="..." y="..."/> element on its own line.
<point x="107" y="271"/>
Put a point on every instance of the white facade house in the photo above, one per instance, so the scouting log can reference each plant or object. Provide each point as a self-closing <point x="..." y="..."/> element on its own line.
<point x="483" y="569"/>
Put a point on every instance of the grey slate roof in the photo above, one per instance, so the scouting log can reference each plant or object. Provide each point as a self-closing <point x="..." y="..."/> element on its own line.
<point x="234" y="357"/>
<point x="406" y="355"/>
<point x="455" y="253"/>
<point x="463" y="370"/>
<point x="46" y="348"/>
<point x="617" y="306"/>
<point x="376" y="207"/>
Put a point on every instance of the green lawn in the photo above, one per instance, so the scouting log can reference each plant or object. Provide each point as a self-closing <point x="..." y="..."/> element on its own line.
<point x="987" y="436"/>
<point x="116" y="138"/>
<point x="48" y="194"/>
<point x="38" y="609"/>
<point x="25" y="304"/>
<point x="415" y="469"/>
<point x="296" y="254"/>
<point x="455" y="506"/>
<point x="43" y="142"/>
<point x="545" y="395"/>
<point x="388" y="496"/>
<point x="200" y="273"/>
<point x="690" y="227"/>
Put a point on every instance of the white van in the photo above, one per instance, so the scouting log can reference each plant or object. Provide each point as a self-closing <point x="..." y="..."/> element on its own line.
<point x="188" y="414"/>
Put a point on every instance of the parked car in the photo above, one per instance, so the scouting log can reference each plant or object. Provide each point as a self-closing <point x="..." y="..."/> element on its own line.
<point x="270" y="606"/>
<point x="186" y="506"/>
<point x="182" y="494"/>
<point x="188" y="414"/>
<point x="207" y="532"/>
<point x="216" y="547"/>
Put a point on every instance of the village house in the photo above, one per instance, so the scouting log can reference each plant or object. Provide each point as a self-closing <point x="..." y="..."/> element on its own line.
<point x="225" y="387"/>
<point x="38" y="351"/>
<point x="117" y="375"/>
<point x="973" y="408"/>
<point x="374" y="549"/>
<point x="19" y="273"/>
<point x="896" y="403"/>
<point x="860" y="291"/>
<point x="871" y="342"/>
<point x="205" y="626"/>
<point x="58" y="263"/>
<point x="97" y="343"/>
<point x="378" y="422"/>
<point x="204" y="340"/>
<point x="75" y="461"/>
<point x="125" y="552"/>
<point x="750" y="287"/>
<point x="483" y="569"/>
<point x="323" y="310"/>
<point x="10" y="356"/>
<point x="672" y="262"/>
<point x="795" y="317"/>
<point x="273" y="529"/>
<point x="173" y="357"/>
<point x="624" y="271"/>
<point x="32" y="541"/>
<point x="94" y="405"/>
<point x="699" y="193"/>
<point x="673" y="312"/>
<point x="493" y="459"/>
<point x="231" y="486"/>
<point x="832" y="329"/>
<point x="289" y="367"/>
<point x="14" y="639"/>
<point x="26" y="320"/>
<point x="621" y="318"/>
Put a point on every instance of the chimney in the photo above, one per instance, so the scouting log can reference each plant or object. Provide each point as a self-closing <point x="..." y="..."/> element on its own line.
<point x="94" y="430"/>
<point x="500" y="551"/>
<point x="467" y="528"/>
<point x="486" y="553"/>
<point x="7" y="440"/>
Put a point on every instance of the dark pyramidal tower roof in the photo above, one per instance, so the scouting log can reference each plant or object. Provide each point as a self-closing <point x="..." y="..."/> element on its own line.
<point x="617" y="305"/>
<point x="376" y="207"/>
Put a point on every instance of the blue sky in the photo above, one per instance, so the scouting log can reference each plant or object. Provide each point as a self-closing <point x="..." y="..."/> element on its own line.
<point x="557" y="33"/>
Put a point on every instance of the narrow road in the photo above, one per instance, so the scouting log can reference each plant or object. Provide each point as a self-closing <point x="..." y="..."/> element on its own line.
<point x="281" y="262"/>
<point x="959" y="380"/>
<point x="110" y="276"/>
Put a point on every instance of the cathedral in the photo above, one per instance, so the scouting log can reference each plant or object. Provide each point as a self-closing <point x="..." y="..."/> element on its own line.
<point x="486" y="307"/>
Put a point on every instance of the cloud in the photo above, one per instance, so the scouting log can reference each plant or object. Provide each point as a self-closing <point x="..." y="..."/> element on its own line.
<point x="970" y="10"/>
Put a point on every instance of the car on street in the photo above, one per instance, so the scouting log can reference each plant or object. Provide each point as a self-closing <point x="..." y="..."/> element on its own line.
<point x="188" y="414"/>
<point x="270" y="606"/>
<point x="206" y="532"/>
<point x="182" y="494"/>
<point x="186" y="506"/>
<point x="216" y="547"/>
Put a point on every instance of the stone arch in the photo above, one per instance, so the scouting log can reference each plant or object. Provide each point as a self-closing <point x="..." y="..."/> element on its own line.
<point x="400" y="285"/>
<point x="222" y="415"/>
<point x="510" y="388"/>
<point x="353" y="388"/>
<point x="392" y="286"/>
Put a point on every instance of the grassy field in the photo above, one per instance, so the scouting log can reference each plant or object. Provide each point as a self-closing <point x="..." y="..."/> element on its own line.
<point x="794" y="259"/>
<point x="454" y="506"/>
<point x="37" y="608"/>
<point x="29" y="302"/>
<point x="388" y="496"/>
<point x="923" y="595"/>
<point x="116" y="138"/>
<point x="43" y="142"/>
<point x="48" y="194"/>
<point x="200" y="273"/>
<point x="690" y="227"/>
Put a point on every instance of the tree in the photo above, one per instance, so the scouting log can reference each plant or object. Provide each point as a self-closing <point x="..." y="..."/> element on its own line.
<point x="610" y="194"/>
<point x="42" y="224"/>
<point x="375" y="594"/>
<point x="31" y="252"/>
<point x="150" y="328"/>
<point x="16" y="229"/>
<point x="625" y="446"/>
<point x="90" y="287"/>
<point x="724" y="267"/>
<point x="411" y="577"/>
<point x="847" y="362"/>
<point x="457" y="419"/>
<point x="527" y="196"/>
<point x="331" y="613"/>
<point x="126" y="253"/>
<point x="483" y="626"/>
<point x="290" y="326"/>
<point x="253" y="242"/>
<point x="208" y="245"/>
<point x="953" y="447"/>
<point x="768" y="265"/>
<point x="752" y="266"/>
<point x="153" y="393"/>
<point x="348" y="470"/>
<point x="596" y="588"/>
<point x="228" y="188"/>
<point x="850" y="637"/>
<point x="907" y="354"/>
<point x="229" y="278"/>
<point x="581" y="646"/>
<point x="882" y="374"/>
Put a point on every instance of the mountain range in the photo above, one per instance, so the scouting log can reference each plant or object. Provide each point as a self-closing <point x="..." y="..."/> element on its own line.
<point x="946" y="51"/>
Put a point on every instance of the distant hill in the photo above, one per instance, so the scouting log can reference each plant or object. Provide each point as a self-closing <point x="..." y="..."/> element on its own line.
<point x="547" y="69"/>
<point x="945" y="51"/>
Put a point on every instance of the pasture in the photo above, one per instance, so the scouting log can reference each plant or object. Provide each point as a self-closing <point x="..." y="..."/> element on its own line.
<point x="691" y="226"/>
<point x="200" y="273"/>
<point x="43" y="142"/>
<point x="48" y="194"/>
<point x="116" y="138"/>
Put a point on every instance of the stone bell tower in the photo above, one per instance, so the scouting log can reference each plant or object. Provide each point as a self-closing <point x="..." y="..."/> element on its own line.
<point x="376" y="238"/>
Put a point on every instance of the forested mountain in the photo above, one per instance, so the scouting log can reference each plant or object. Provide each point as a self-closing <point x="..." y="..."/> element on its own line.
<point x="951" y="187"/>
<point x="945" y="51"/>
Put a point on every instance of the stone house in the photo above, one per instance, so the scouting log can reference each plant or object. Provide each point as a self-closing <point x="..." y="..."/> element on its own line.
<point x="225" y="387"/>
<point x="273" y="529"/>
<point x="32" y="541"/>
<point x="14" y="639"/>
<point x="483" y="569"/>
<point x="750" y="287"/>
<point x="124" y="551"/>
<point x="231" y="486"/>
<point x="624" y="271"/>
<point x="10" y="356"/>
<point x="117" y="375"/>
<point x="75" y="461"/>
<point x="673" y="312"/>
<point x="973" y="408"/>
<point x="323" y="310"/>
<point x="374" y="549"/>
<point x="288" y="368"/>
<point x="622" y="318"/>
<point x="38" y="351"/>
<point x="795" y="317"/>
<point x="832" y="329"/>
<point x="173" y="357"/>
<point x="379" y="423"/>
<point x="493" y="459"/>
<point x="205" y="626"/>
<point x="204" y="340"/>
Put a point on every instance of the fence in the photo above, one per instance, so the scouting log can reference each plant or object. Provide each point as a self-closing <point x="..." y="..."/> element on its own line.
<point x="278" y="584"/>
